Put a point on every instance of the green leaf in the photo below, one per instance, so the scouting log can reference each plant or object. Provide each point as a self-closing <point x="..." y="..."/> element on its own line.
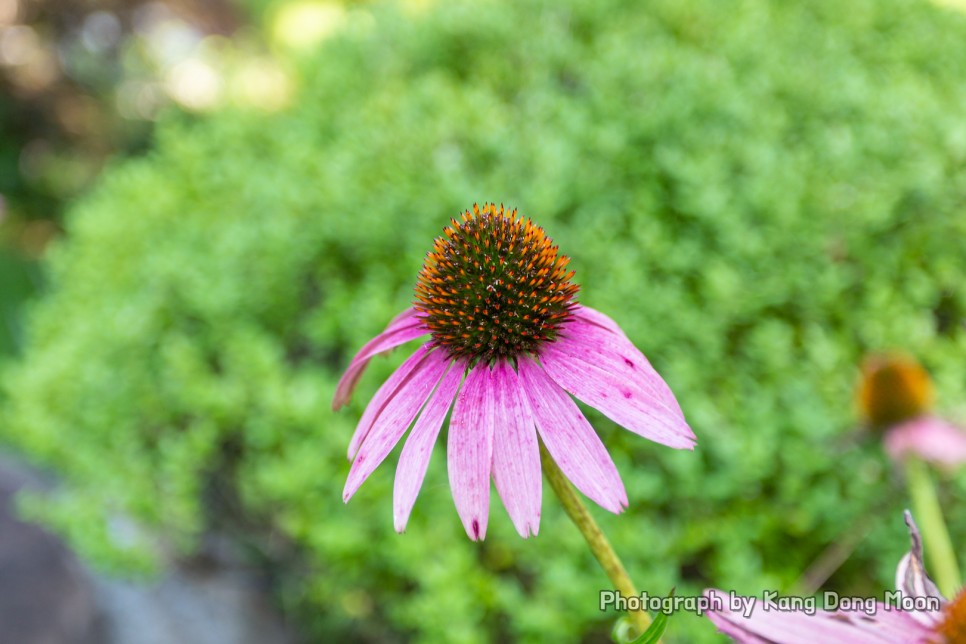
<point x="655" y="631"/>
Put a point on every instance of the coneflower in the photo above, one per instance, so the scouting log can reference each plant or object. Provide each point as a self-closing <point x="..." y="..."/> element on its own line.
<point x="508" y="345"/>
<point x="896" y="396"/>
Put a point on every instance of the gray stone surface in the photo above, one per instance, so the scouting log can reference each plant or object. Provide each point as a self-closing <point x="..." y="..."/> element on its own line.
<point x="190" y="607"/>
<point x="48" y="597"/>
<point x="45" y="595"/>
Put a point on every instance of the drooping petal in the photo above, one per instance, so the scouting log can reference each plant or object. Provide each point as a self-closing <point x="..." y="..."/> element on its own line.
<point x="470" y="451"/>
<point x="596" y="317"/>
<point x="730" y="623"/>
<point x="615" y="394"/>
<point x="516" y="453"/>
<point x="765" y="625"/>
<point x="419" y="446"/>
<point x="394" y="419"/>
<point x="929" y="438"/>
<point x="383" y="395"/>
<point x="571" y="441"/>
<point x="403" y="315"/>
<point x="911" y="577"/>
<point x="621" y="354"/>
<point x="404" y="327"/>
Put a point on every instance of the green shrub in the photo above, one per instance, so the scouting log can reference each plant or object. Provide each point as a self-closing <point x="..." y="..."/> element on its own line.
<point x="759" y="193"/>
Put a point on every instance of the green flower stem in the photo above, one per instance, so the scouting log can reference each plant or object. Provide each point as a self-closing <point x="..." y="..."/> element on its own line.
<point x="598" y="543"/>
<point x="935" y="536"/>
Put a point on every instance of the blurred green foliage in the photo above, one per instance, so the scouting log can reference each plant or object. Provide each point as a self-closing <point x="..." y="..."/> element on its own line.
<point x="758" y="192"/>
<point x="81" y="83"/>
<point x="19" y="281"/>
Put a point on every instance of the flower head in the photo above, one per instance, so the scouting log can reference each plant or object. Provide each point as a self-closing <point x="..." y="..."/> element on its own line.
<point x="507" y="344"/>
<point x="494" y="287"/>
<point x="893" y="388"/>
<point x="937" y="621"/>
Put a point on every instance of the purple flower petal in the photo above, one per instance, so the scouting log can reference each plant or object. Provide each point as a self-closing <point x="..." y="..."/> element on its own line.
<point x="570" y="439"/>
<point x="620" y="398"/>
<point x="796" y="627"/>
<point x="383" y="395"/>
<point x="597" y="318"/>
<point x="419" y="446"/>
<point x="470" y="451"/>
<point x="629" y="363"/>
<point x="394" y="418"/>
<point x="516" y="453"/>
<point x="403" y="315"/>
<point x="929" y="438"/>
<point x="723" y="620"/>
<point x="590" y="342"/>
<point x="403" y="328"/>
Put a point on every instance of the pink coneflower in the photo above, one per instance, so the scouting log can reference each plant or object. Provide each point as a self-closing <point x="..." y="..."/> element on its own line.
<point x="937" y="622"/>
<point x="895" y="396"/>
<point x="508" y="343"/>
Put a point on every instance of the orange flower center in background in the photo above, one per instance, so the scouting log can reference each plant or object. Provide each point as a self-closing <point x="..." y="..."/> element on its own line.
<point x="893" y="388"/>
<point x="953" y="625"/>
<point x="494" y="286"/>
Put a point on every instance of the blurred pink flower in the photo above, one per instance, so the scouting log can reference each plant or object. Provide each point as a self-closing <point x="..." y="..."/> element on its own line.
<point x="895" y="396"/>
<point x="928" y="437"/>
<point x="939" y="622"/>
<point x="495" y="297"/>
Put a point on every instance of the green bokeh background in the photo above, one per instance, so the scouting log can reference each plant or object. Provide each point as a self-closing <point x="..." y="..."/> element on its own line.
<point x="759" y="193"/>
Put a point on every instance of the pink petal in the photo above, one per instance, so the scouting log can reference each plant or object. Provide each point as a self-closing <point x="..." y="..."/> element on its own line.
<point x="383" y="395"/>
<point x="403" y="328"/>
<point x="395" y="417"/>
<point x="888" y="625"/>
<point x="930" y="438"/>
<point x="911" y="577"/>
<point x="470" y="451"/>
<point x="620" y="398"/>
<point x="419" y="446"/>
<point x="516" y="453"/>
<point x="403" y="315"/>
<point x="622" y="356"/>
<point x="796" y="627"/>
<point x="597" y="318"/>
<point x="570" y="439"/>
